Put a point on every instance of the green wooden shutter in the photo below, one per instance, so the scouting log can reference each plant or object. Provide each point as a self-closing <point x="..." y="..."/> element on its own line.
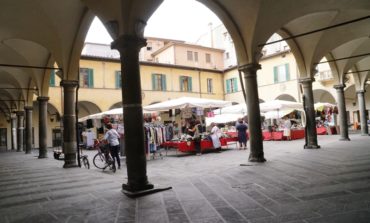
<point x="228" y="86"/>
<point x="276" y="74"/>
<point x="163" y="78"/>
<point x="91" y="77"/>
<point x="287" y="73"/>
<point x="52" y="78"/>
<point x="235" y="84"/>
<point x="190" y="84"/>
<point x="153" y="82"/>
<point x="181" y="83"/>
<point x="118" y="79"/>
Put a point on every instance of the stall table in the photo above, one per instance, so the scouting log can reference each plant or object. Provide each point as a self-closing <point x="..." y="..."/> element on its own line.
<point x="183" y="146"/>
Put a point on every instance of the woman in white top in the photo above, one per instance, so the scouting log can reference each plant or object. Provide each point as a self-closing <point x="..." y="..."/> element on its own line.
<point x="287" y="128"/>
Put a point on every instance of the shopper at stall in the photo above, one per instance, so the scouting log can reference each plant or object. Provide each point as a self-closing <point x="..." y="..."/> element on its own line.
<point x="112" y="136"/>
<point x="287" y="128"/>
<point x="242" y="134"/>
<point x="215" y="135"/>
<point x="195" y="131"/>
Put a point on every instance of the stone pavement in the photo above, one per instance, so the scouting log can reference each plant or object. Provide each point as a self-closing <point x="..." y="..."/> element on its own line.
<point x="295" y="185"/>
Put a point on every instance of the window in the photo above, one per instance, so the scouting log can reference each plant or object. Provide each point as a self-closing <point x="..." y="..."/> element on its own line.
<point x="196" y="56"/>
<point x="227" y="55"/>
<point x="209" y="85"/>
<point x="149" y="46"/>
<point x="281" y="73"/>
<point x="86" y="78"/>
<point x="158" y="82"/>
<point x="208" y="58"/>
<point x="118" y="79"/>
<point x="190" y="55"/>
<point x="52" y="78"/>
<point x="231" y="85"/>
<point x="185" y="83"/>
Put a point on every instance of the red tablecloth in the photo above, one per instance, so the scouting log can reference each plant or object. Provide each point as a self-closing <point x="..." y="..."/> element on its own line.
<point x="204" y="144"/>
<point x="297" y="134"/>
<point x="321" y="131"/>
<point x="267" y="136"/>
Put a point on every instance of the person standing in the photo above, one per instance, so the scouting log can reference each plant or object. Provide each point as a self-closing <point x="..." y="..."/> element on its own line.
<point x="194" y="130"/>
<point x="215" y="135"/>
<point x="112" y="136"/>
<point x="242" y="134"/>
<point x="287" y="128"/>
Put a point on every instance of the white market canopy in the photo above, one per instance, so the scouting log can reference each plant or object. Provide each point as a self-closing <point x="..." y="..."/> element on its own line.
<point x="185" y="102"/>
<point x="223" y="118"/>
<point x="323" y="105"/>
<point x="115" y="111"/>
<point x="240" y="109"/>
<point x="277" y="105"/>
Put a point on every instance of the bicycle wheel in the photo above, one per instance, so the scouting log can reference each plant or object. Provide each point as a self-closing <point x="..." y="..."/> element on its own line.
<point x="99" y="161"/>
<point x="86" y="163"/>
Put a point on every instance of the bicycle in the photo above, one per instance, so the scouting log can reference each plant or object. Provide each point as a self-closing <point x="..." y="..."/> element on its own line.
<point x="84" y="159"/>
<point x="103" y="159"/>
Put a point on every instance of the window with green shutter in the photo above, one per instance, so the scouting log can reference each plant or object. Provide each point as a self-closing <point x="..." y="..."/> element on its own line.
<point x="86" y="78"/>
<point x="235" y="84"/>
<point x="281" y="73"/>
<point x="228" y="86"/>
<point x="52" y="78"/>
<point x="118" y="79"/>
<point x="186" y="83"/>
<point x="159" y="82"/>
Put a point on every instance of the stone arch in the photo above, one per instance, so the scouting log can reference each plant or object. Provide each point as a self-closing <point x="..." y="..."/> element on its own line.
<point x="286" y="97"/>
<point x="321" y="95"/>
<point x="116" y="105"/>
<point x="87" y="108"/>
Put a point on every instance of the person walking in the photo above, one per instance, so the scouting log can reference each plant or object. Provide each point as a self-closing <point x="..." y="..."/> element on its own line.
<point x="287" y="128"/>
<point x="242" y="134"/>
<point x="112" y="136"/>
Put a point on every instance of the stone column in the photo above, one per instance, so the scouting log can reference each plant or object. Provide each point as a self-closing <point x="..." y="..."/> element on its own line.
<point x="28" y="110"/>
<point x="343" y="122"/>
<point x="43" y="110"/>
<point x="20" y="117"/>
<point x="129" y="47"/>
<point x="362" y="107"/>
<point x="311" y="141"/>
<point x="254" y="115"/>
<point x="69" y="123"/>
<point x="14" y="131"/>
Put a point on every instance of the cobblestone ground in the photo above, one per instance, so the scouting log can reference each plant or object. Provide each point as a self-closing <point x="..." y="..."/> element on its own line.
<point x="331" y="184"/>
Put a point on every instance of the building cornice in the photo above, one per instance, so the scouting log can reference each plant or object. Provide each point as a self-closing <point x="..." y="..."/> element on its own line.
<point x="154" y="64"/>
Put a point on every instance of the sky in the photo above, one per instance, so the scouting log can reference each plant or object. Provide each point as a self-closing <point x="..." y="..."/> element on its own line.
<point x="174" y="19"/>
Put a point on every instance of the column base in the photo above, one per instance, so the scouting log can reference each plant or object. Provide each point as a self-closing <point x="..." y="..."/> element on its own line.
<point x="19" y="151"/>
<point x="257" y="159"/>
<point x="28" y="152"/>
<point x="70" y="161"/>
<point x="344" y="139"/>
<point x="43" y="156"/>
<point x="311" y="147"/>
<point x="145" y="190"/>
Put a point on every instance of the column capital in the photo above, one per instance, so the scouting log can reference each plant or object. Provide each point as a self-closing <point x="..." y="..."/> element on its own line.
<point x="360" y="92"/>
<point x="69" y="83"/>
<point x="19" y="113"/>
<point x="306" y="80"/>
<point x="249" y="70"/>
<point x="339" y="86"/>
<point x="128" y="41"/>
<point x="28" y="108"/>
<point x="43" y="98"/>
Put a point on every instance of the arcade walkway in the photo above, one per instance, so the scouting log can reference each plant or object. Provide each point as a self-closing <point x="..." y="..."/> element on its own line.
<point x="295" y="185"/>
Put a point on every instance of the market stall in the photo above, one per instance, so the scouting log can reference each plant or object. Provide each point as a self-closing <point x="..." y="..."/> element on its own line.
<point x="274" y="111"/>
<point x="326" y="118"/>
<point x="183" y="143"/>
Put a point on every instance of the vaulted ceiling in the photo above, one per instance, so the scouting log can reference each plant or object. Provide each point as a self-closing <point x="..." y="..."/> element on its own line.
<point x="44" y="33"/>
